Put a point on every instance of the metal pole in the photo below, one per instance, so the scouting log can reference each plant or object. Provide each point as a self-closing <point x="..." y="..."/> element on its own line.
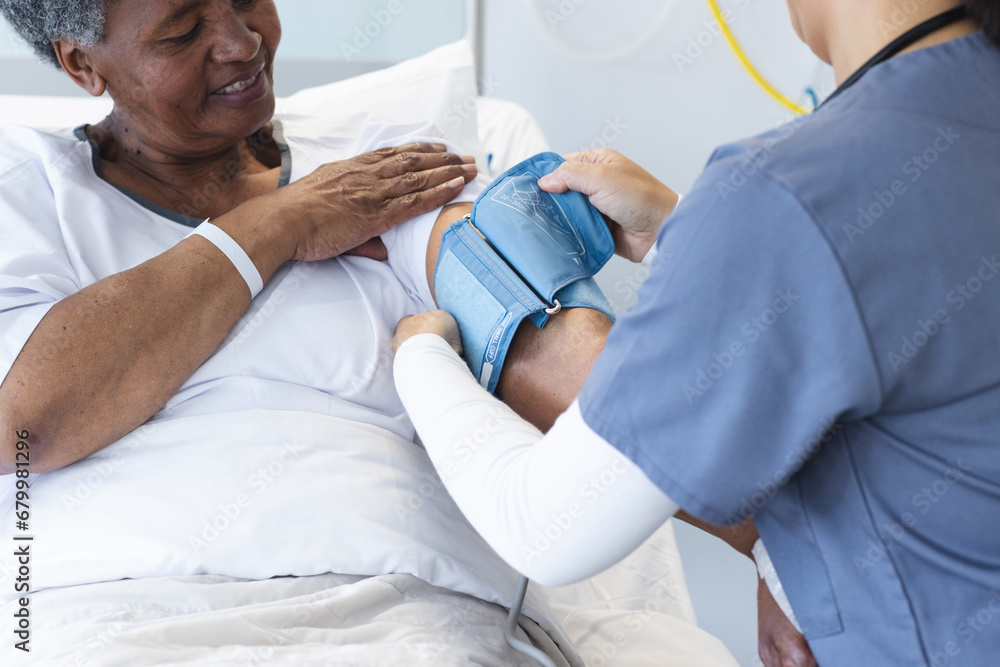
<point x="475" y="17"/>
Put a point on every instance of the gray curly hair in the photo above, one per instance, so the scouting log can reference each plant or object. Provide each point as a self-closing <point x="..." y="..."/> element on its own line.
<point x="39" y="22"/>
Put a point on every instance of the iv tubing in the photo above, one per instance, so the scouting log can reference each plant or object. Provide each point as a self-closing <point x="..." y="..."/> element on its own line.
<point x="748" y="66"/>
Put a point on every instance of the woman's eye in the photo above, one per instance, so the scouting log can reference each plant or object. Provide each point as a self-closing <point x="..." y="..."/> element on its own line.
<point x="182" y="39"/>
<point x="243" y="3"/>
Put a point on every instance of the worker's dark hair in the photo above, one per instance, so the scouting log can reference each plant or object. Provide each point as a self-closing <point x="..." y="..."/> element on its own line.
<point x="987" y="14"/>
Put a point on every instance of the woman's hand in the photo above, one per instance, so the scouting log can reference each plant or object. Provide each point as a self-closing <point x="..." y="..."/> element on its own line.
<point x="634" y="203"/>
<point x="435" y="322"/>
<point x="343" y="205"/>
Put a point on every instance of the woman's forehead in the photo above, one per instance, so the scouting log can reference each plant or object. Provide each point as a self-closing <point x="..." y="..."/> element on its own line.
<point x="152" y="16"/>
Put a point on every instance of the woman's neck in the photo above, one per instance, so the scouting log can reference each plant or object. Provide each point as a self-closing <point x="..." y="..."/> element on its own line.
<point x="859" y="30"/>
<point x="202" y="185"/>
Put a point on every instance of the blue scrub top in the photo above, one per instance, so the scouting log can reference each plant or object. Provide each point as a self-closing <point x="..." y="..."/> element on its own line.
<point x="818" y="347"/>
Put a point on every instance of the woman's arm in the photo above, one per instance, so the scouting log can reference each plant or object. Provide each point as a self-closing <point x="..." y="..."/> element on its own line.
<point x="545" y="368"/>
<point x="106" y="359"/>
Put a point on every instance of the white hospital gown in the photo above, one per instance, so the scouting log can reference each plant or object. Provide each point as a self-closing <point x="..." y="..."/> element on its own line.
<point x="288" y="452"/>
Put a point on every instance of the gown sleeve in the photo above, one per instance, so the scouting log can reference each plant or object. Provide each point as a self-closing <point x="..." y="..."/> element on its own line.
<point x="35" y="269"/>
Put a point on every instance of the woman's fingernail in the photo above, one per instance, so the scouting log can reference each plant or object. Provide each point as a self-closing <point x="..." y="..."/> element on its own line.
<point x="456" y="182"/>
<point x="468" y="159"/>
<point x="471" y="168"/>
<point x="439" y="147"/>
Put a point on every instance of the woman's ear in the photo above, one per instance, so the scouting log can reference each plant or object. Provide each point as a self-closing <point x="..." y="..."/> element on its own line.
<point x="78" y="64"/>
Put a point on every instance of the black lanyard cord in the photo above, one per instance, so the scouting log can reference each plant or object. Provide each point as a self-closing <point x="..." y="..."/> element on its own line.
<point x="903" y="41"/>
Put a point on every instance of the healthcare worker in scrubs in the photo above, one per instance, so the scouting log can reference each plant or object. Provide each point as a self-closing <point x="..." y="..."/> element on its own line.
<point x="817" y="347"/>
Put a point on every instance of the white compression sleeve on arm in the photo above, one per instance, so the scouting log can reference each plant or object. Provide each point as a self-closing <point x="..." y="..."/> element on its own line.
<point x="558" y="508"/>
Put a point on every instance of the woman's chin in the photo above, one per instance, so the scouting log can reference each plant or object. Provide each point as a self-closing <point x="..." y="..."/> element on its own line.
<point x="244" y="121"/>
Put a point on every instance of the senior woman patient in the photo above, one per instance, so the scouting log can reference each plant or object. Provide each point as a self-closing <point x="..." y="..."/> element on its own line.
<point x="191" y="82"/>
<point x="134" y="353"/>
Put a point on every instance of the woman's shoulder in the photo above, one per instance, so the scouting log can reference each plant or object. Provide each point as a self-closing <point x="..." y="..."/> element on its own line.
<point x="350" y="130"/>
<point x="316" y="140"/>
<point x="48" y="149"/>
<point x="35" y="136"/>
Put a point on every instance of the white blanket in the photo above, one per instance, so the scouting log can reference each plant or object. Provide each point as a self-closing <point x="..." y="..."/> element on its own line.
<point x="164" y="510"/>
<point x="328" y="620"/>
<point x="321" y="620"/>
<point x="277" y="493"/>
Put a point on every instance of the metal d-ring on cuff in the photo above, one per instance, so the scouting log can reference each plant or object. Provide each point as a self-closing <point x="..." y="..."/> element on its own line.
<point x="554" y="309"/>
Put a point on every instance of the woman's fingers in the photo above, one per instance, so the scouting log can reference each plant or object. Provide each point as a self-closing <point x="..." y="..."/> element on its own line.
<point x="345" y="203"/>
<point x="382" y="154"/>
<point x="410" y="162"/>
<point x="415" y="181"/>
<point x="418" y="202"/>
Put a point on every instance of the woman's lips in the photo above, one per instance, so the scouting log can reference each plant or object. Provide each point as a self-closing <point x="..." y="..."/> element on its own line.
<point x="239" y="85"/>
<point x="246" y="91"/>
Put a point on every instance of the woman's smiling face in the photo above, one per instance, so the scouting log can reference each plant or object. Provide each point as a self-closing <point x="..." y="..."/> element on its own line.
<point x="190" y="76"/>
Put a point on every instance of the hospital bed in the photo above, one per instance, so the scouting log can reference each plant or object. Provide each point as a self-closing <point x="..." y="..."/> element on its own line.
<point x="637" y="613"/>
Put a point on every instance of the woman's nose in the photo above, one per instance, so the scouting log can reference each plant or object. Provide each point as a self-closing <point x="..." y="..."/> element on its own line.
<point x="236" y="41"/>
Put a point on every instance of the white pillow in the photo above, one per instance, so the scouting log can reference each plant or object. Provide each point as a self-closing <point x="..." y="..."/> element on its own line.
<point x="439" y="86"/>
<point x="508" y="133"/>
<point x="49" y="112"/>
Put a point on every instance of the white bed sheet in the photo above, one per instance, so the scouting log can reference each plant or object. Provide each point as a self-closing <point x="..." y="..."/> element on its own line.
<point x="327" y="620"/>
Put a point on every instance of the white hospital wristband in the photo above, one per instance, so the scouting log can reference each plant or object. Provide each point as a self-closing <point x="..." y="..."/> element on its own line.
<point x="235" y="253"/>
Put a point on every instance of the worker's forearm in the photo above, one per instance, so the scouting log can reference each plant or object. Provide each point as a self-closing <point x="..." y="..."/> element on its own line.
<point x="546" y="369"/>
<point x="104" y="360"/>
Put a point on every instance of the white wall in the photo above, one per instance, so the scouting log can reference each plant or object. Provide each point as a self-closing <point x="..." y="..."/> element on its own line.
<point x="368" y="30"/>
<point x="673" y="115"/>
<point x="667" y="106"/>
<point x="11" y="44"/>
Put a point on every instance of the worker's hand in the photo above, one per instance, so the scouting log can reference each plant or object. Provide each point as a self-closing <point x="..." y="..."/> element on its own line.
<point x="342" y="206"/>
<point x="435" y="322"/>
<point x="779" y="643"/>
<point x="634" y="203"/>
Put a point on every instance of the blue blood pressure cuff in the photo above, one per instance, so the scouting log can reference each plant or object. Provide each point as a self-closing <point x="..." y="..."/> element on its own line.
<point x="521" y="253"/>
